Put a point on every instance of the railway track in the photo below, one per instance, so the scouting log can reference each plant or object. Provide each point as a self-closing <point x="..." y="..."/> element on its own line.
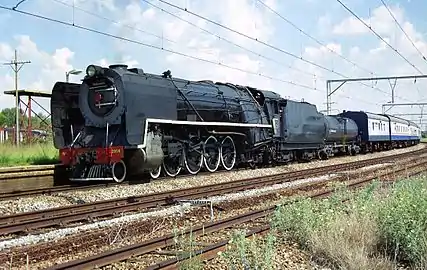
<point x="30" y="221"/>
<point x="16" y="182"/>
<point x="153" y="245"/>
<point x="52" y="190"/>
<point x="22" y="178"/>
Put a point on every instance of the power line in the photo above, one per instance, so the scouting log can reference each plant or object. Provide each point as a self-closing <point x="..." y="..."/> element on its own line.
<point x="269" y="45"/>
<point x="251" y="38"/>
<point x="168" y="50"/>
<point x="113" y="21"/>
<point x="313" y="38"/>
<point x="231" y="42"/>
<point x="398" y="24"/>
<point x="17" y="5"/>
<point x="381" y="38"/>
<point x="16" y="67"/>
<point x="219" y="37"/>
<point x="213" y="34"/>
<point x="195" y="25"/>
<point x="155" y="47"/>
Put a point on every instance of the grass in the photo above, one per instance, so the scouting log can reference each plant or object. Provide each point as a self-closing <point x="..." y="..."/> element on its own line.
<point x="35" y="154"/>
<point x="376" y="228"/>
<point x="183" y="246"/>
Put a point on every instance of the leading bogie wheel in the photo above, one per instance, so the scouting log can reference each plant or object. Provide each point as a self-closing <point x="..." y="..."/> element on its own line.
<point x="118" y="170"/>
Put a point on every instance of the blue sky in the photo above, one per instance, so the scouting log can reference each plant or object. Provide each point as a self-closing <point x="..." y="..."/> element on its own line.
<point x="54" y="48"/>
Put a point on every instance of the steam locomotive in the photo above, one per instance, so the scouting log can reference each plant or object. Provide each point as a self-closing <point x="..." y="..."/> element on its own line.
<point x="123" y="121"/>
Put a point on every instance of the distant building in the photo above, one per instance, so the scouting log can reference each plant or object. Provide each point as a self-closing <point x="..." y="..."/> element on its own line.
<point x="7" y="133"/>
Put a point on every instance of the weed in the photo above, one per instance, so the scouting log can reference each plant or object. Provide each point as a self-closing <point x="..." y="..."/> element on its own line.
<point x="369" y="231"/>
<point x="256" y="253"/>
<point x="35" y="154"/>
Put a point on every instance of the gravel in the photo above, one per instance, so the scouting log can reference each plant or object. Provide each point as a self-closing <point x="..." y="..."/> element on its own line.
<point x="198" y="216"/>
<point x="61" y="233"/>
<point x="286" y="255"/>
<point x="268" y="189"/>
<point x="370" y="167"/>
<point x="72" y="197"/>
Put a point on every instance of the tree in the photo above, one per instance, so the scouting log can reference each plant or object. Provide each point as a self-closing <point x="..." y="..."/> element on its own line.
<point x="7" y="118"/>
<point x="2" y="119"/>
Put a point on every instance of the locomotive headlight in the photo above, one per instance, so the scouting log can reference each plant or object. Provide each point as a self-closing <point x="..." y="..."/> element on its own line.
<point x="91" y="70"/>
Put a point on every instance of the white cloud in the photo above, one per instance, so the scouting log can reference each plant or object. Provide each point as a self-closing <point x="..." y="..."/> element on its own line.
<point x="126" y="60"/>
<point x="39" y="75"/>
<point x="240" y="15"/>
<point x="380" y="20"/>
<point x="378" y="58"/>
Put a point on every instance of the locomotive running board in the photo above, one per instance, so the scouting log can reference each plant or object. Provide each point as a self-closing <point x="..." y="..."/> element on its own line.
<point x="92" y="179"/>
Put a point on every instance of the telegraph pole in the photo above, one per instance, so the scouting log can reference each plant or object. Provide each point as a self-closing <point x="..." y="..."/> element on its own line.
<point x="16" y="67"/>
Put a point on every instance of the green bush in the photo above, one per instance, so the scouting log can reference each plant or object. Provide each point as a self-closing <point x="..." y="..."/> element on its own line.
<point x="374" y="228"/>
<point x="402" y="218"/>
<point x="358" y="233"/>
<point x="255" y="253"/>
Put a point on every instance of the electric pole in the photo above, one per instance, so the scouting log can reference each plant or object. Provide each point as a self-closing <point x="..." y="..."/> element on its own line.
<point x="16" y="67"/>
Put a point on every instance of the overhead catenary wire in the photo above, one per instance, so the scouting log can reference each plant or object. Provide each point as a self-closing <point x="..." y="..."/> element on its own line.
<point x="252" y="38"/>
<point x="19" y="3"/>
<point x="193" y="24"/>
<point x="153" y="46"/>
<point x="269" y="45"/>
<point x="379" y="36"/>
<point x="324" y="45"/>
<point x="213" y="34"/>
<point x="233" y="43"/>
<point x="404" y="32"/>
<point x="313" y="38"/>
<point x="167" y="50"/>
<point x="112" y="21"/>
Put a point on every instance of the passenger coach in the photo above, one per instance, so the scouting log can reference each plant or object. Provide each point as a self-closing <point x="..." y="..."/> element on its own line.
<point x="403" y="132"/>
<point x="374" y="130"/>
<point x="383" y="131"/>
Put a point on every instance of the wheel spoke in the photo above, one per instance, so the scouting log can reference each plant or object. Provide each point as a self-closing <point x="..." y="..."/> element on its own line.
<point x="212" y="156"/>
<point x="156" y="172"/>
<point x="228" y="153"/>
<point x="193" y="158"/>
<point x="171" y="165"/>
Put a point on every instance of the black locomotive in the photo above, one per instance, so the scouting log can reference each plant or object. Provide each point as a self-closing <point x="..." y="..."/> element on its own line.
<point x="120" y="121"/>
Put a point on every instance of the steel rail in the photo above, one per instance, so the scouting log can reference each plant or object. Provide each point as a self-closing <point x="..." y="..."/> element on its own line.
<point x="62" y="215"/>
<point x="53" y="190"/>
<point x="73" y="213"/>
<point x="47" y="171"/>
<point x="84" y="186"/>
<point x="119" y="254"/>
<point x="211" y="251"/>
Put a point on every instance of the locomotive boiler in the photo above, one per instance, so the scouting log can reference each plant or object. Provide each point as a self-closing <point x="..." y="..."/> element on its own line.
<point x="123" y="120"/>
